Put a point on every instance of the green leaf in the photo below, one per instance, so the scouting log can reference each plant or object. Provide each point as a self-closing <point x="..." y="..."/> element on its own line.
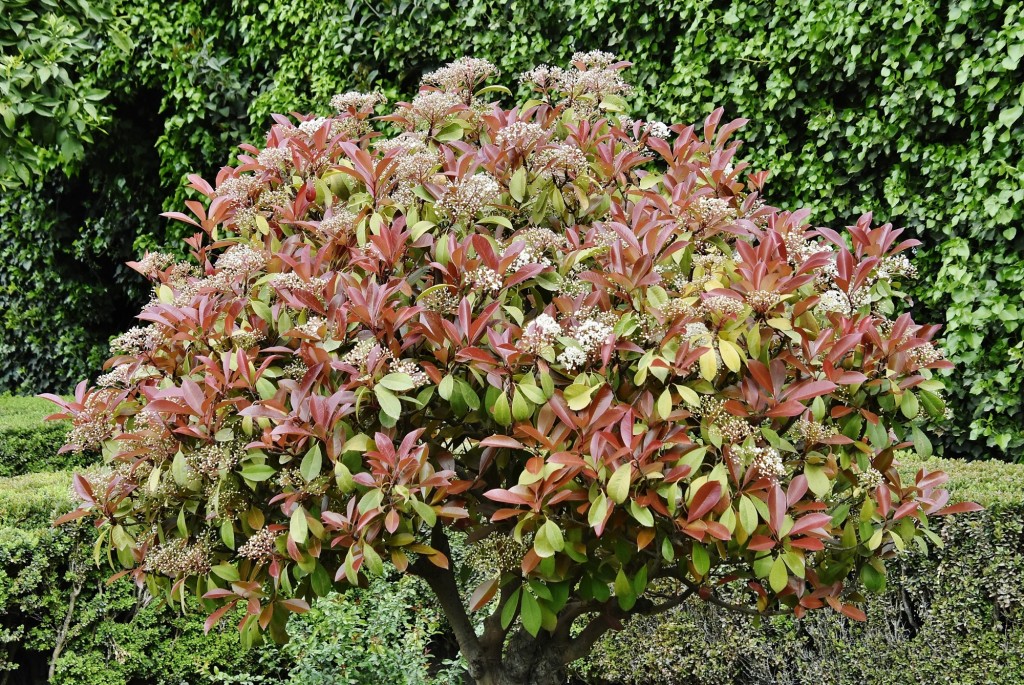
<point x="517" y="186"/>
<point x="399" y="382"/>
<point x="297" y="527"/>
<point x="521" y="408"/>
<point x="311" y="463"/>
<point x="701" y="560"/>
<point x="508" y="612"/>
<point x="748" y="515"/>
<point x="817" y="481"/>
<point x="501" y="412"/>
<point x="389" y="403"/>
<point x="258" y="473"/>
<point x="227" y="572"/>
<point x="778" y="577"/>
<point x="531" y="614"/>
<point x="624" y="591"/>
<point x="577" y="396"/>
<point x="425" y="512"/>
<point x="372" y="559"/>
<point x="618" y="484"/>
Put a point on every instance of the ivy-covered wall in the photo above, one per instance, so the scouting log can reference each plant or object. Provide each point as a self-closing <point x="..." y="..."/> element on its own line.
<point x="911" y="109"/>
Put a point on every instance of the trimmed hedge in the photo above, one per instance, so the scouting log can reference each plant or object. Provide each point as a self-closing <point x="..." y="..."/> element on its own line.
<point x="914" y="107"/>
<point x="29" y="443"/>
<point x="958" y="613"/>
<point x="117" y="635"/>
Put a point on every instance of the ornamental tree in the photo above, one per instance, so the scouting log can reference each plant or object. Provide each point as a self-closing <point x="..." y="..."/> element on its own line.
<point x="581" y="341"/>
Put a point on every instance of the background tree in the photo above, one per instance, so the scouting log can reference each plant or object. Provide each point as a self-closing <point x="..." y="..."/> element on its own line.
<point x="581" y="340"/>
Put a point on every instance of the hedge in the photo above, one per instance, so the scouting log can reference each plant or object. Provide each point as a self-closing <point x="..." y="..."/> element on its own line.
<point x="29" y="443"/>
<point x="116" y="635"/>
<point x="912" y="109"/>
<point x="955" y="616"/>
<point x="958" y="613"/>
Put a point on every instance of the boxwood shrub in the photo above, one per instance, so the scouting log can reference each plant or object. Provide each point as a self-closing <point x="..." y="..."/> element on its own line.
<point x="29" y="443"/>
<point x="954" y="616"/>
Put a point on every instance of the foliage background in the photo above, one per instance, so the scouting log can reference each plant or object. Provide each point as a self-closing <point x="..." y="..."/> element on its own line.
<point x="910" y="109"/>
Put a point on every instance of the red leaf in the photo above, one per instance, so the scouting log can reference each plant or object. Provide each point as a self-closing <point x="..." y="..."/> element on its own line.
<point x="70" y="516"/>
<point x="787" y="408"/>
<point x="82" y="488"/>
<point x="216" y="616"/>
<point x="776" y="507"/>
<point x="806" y="391"/>
<point x="962" y="508"/>
<point x="483" y="594"/>
<point x="218" y="593"/>
<point x="705" y="500"/>
<point x="760" y="543"/>
<point x="502" y="441"/>
<point x="298" y="606"/>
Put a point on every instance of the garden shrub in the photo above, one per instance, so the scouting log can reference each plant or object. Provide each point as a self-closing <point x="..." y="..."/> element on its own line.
<point x="912" y="109"/>
<point x="582" y="339"/>
<point x="29" y="443"/>
<point x="957" y="613"/>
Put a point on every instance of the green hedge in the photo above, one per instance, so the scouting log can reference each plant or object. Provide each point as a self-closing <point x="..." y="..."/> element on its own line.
<point x="912" y="109"/>
<point x="955" y="616"/>
<point x="117" y="635"/>
<point x="29" y="443"/>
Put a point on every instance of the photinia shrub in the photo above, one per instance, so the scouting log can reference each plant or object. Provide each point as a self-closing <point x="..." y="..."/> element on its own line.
<point x="583" y="340"/>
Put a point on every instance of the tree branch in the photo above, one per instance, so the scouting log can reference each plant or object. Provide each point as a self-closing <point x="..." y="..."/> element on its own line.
<point x="442" y="582"/>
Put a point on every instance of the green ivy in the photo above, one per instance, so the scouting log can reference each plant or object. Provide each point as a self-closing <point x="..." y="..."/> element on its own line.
<point x="911" y="109"/>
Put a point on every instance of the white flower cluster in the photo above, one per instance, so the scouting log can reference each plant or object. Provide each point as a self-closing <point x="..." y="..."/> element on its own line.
<point x="721" y="304"/>
<point x="240" y="260"/>
<point x="462" y="75"/>
<point x="595" y="59"/>
<point x="485" y="278"/>
<point x="354" y="100"/>
<point x="153" y="263"/>
<point x="246" y="338"/>
<point x="467" y="197"/>
<point x="562" y="161"/>
<point x="313" y="326"/>
<point x="410" y="369"/>
<point x="834" y="301"/>
<point x="136" y="340"/>
<point x="261" y="546"/>
<point x="274" y="157"/>
<point x="811" y="432"/>
<point x="119" y="376"/>
<point x="430" y="109"/>
<point x="657" y="129"/>
<point x="870" y="479"/>
<point x="896" y="265"/>
<point x="762" y="301"/>
<point x="520" y="134"/>
<point x="338" y="223"/>
<point x="766" y="461"/>
<point x="311" y="126"/>
<point x="239" y="189"/>
<point x="539" y="334"/>
<point x="408" y="142"/>
<point x="359" y="354"/>
<point x="926" y="354"/>
<point x="711" y="210"/>
<point x="588" y="336"/>
<point x="179" y="558"/>
<point x="292" y="281"/>
<point x="442" y="301"/>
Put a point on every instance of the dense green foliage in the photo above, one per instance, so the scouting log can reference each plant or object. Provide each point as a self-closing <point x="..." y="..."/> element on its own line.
<point x="28" y="443"/>
<point x="959" y="612"/>
<point x="914" y="107"/>
<point x="113" y="639"/>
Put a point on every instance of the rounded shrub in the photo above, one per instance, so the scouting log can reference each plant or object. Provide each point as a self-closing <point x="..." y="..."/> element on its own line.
<point x="584" y="339"/>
